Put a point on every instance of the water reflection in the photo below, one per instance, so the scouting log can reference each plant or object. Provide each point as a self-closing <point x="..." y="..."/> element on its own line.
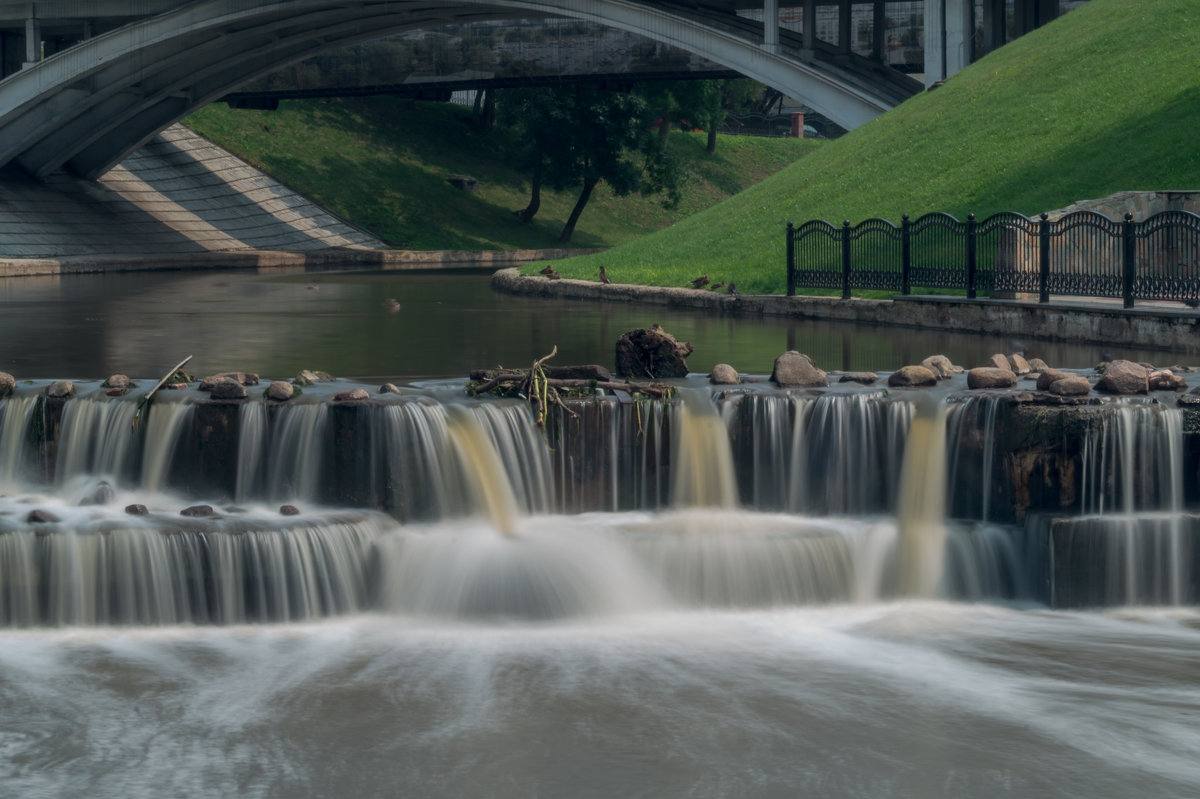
<point x="446" y="324"/>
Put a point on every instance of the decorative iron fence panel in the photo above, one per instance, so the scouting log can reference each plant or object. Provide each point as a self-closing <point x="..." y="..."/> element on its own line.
<point x="1080" y="254"/>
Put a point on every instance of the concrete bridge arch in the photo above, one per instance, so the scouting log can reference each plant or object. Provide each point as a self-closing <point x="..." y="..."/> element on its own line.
<point x="87" y="107"/>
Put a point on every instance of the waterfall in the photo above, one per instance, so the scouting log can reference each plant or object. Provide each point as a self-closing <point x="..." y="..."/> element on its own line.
<point x="16" y="415"/>
<point x="703" y="464"/>
<point x="921" y="513"/>
<point x="165" y="424"/>
<point x="252" y="433"/>
<point x="297" y="451"/>
<point x="107" y="570"/>
<point x="482" y="469"/>
<point x="98" y="439"/>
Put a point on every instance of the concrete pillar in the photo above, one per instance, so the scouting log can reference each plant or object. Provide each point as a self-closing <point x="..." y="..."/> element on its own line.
<point x="959" y="34"/>
<point x="993" y="24"/>
<point x="771" y="26"/>
<point x="844" y="26"/>
<point x="934" y="41"/>
<point x="809" y="20"/>
<point x="797" y="124"/>
<point x="33" y="35"/>
<point x="879" y="34"/>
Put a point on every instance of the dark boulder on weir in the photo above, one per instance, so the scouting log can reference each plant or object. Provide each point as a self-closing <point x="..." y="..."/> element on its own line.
<point x="651" y="353"/>
<point x="913" y="377"/>
<point x="1124" y="377"/>
<point x="8" y="384"/>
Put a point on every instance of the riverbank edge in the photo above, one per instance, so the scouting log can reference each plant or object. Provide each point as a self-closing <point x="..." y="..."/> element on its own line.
<point x="1091" y="322"/>
<point x="316" y="260"/>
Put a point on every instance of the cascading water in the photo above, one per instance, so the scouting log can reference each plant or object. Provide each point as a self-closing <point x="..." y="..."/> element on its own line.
<point x="653" y="640"/>
<point x="16" y="415"/>
<point x="922" y="507"/>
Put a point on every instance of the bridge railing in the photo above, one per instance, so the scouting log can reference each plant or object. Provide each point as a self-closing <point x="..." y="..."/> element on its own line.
<point x="1007" y="254"/>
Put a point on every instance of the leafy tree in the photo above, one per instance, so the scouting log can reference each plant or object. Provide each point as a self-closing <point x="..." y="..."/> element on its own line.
<point x="580" y="136"/>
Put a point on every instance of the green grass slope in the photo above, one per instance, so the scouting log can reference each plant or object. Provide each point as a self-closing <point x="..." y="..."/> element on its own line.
<point x="1104" y="99"/>
<point x="382" y="164"/>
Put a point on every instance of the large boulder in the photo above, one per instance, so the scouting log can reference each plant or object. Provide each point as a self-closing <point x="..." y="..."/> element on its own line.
<point x="796" y="369"/>
<point x="1166" y="380"/>
<point x="940" y="365"/>
<point x="8" y="384"/>
<point x="1049" y="376"/>
<point x="1124" y="377"/>
<point x="307" y="377"/>
<point x="1038" y="365"/>
<point x="862" y="378"/>
<point x="1071" y="386"/>
<point x="117" y="381"/>
<point x="991" y="377"/>
<point x="281" y="391"/>
<point x="912" y="377"/>
<point x="352" y="395"/>
<point x="999" y="361"/>
<point x="651" y="353"/>
<point x="1018" y="364"/>
<point x="60" y="388"/>
<point x="227" y="390"/>
<point x="241" y="378"/>
<point x="724" y="375"/>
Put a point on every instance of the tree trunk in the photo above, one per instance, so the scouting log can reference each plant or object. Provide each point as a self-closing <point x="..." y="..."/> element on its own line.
<point x="584" y="196"/>
<point x="526" y="214"/>
<point x="712" y="135"/>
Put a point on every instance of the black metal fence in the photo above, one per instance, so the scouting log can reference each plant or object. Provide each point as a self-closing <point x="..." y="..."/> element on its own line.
<point x="1080" y="254"/>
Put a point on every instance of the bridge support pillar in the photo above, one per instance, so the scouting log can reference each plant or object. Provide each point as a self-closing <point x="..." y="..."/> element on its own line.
<point x="33" y="35"/>
<point x="947" y="38"/>
<point x="844" y="29"/>
<point x="771" y="26"/>
<point x="809" y="21"/>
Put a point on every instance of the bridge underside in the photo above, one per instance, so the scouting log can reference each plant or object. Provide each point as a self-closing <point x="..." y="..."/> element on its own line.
<point x="97" y="81"/>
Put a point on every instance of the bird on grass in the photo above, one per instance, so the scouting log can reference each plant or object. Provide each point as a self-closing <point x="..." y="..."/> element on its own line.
<point x="604" y="276"/>
<point x="733" y="292"/>
<point x="716" y="286"/>
<point x="700" y="282"/>
<point x="547" y="271"/>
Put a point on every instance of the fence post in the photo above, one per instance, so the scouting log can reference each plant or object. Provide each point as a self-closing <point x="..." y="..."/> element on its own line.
<point x="846" y="259"/>
<point x="1130" y="260"/>
<point x="905" y="256"/>
<point x="791" y="261"/>
<point x="1044" y="258"/>
<point x="970" y="256"/>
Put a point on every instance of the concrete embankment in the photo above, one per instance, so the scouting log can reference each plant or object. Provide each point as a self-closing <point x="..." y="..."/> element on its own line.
<point x="1153" y="326"/>
<point x="182" y="202"/>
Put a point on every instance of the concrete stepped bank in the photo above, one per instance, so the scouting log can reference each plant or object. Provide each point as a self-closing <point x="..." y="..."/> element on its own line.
<point x="180" y="202"/>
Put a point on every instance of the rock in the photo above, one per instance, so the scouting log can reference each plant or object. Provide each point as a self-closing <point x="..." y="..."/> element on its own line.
<point x="589" y="371"/>
<point x="1049" y="376"/>
<point x="60" y="388"/>
<point x="651" y="353"/>
<point x="463" y="182"/>
<point x="351" y="395"/>
<point x="117" y="381"/>
<point x="725" y="375"/>
<point x="289" y="510"/>
<point x="991" y="377"/>
<point x="999" y="361"/>
<point x="227" y="390"/>
<point x="1165" y="380"/>
<point x="102" y="495"/>
<point x="116" y="392"/>
<point x="865" y="378"/>
<point x="8" y="384"/>
<point x="912" y="377"/>
<point x="281" y="390"/>
<point x="389" y="388"/>
<point x="136" y="510"/>
<point x="1071" y="386"/>
<point x="307" y="378"/>
<point x="1038" y="365"/>
<point x="1124" y="377"/>
<point x="198" y="510"/>
<point x="241" y="378"/>
<point x="796" y="369"/>
<point x="39" y="516"/>
<point x="176" y="386"/>
<point x="1018" y="363"/>
<point x="940" y="365"/>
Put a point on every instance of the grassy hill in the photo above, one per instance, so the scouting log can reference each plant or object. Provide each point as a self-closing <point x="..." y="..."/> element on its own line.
<point x="382" y="163"/>
<point x="1106" y="98"/>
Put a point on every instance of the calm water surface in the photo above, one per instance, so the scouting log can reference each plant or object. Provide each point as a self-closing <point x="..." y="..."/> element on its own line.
<point x="90" y="326"/>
